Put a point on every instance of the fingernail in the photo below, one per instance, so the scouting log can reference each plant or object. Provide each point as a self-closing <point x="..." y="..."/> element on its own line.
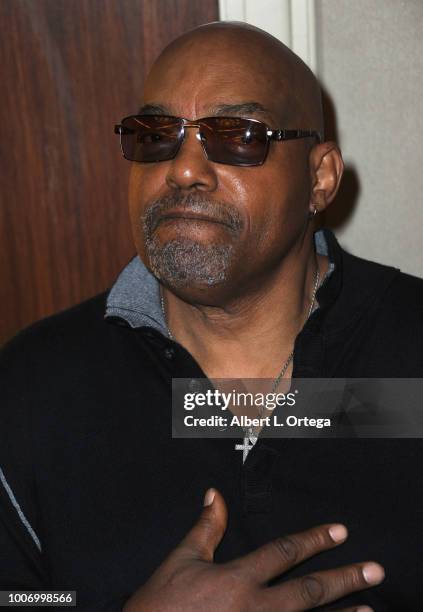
<point x="209" y="497"/>
<point x="364" y="609"/>
<point x="373" y="573"/>
<point x="338" y="533"/>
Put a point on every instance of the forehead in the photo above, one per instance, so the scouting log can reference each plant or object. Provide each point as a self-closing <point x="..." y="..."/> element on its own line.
<point x="194" y="82"/>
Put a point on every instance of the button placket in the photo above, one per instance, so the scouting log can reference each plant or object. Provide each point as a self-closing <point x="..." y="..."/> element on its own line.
<point x="169" y="353"/>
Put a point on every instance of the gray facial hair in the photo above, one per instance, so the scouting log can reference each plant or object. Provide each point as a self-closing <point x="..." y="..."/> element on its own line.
<point x="183" y="261"/>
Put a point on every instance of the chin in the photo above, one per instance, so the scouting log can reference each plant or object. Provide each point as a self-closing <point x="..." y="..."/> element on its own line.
<point x="184" y="264"/>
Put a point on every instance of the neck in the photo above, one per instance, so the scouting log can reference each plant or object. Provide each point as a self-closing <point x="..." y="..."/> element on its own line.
<point x="251" y="336"/>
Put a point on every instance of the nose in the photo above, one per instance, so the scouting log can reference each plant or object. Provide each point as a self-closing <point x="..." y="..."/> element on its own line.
<point x="190" y="169"/>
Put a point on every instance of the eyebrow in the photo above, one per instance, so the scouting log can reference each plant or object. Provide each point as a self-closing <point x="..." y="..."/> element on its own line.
<point x="242" y="108"/>
<point x="153" y="109"/>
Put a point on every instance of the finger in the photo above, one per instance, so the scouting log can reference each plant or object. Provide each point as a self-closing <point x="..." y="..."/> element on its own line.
<point x="324" y="587"/>
<point x="281" y="554"/>
<point x="203" y="539"/>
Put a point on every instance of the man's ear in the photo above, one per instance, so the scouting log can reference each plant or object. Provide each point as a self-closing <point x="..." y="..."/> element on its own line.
<point x="326" y="168"/>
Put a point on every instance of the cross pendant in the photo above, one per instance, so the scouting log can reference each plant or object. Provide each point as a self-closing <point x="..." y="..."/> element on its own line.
<point x="245" y="447"/>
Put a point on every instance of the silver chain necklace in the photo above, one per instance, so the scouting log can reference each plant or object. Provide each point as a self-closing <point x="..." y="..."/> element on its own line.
<point x="291" y="355"/>
<point x="169" y="333"/>
<point x="250" y="435"/>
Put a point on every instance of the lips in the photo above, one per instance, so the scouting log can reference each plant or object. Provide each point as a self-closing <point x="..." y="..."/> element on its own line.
<point x="189" y="215"/>
<point x="191" y="208"/>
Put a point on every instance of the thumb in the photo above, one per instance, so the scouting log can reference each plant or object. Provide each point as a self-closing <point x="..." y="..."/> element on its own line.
<point x="205" y="536"/>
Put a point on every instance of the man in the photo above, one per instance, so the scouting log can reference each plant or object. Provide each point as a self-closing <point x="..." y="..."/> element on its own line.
<point x="231" y="282"/>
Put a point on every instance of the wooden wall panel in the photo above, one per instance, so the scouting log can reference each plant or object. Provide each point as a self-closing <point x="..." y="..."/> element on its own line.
<point x="70" y="70"/>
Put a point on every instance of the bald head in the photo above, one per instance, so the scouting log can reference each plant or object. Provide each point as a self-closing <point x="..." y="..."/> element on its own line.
<point x="245" y="59"/>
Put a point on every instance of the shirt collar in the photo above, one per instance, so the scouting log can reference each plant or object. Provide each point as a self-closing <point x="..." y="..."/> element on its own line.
<point x="135" y="296"/>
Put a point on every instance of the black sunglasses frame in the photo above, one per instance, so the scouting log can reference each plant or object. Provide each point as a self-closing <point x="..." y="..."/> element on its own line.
<point x="278" y="135"/>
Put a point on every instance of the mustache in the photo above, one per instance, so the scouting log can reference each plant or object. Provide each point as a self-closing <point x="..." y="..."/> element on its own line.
<point x="221" y="212"/>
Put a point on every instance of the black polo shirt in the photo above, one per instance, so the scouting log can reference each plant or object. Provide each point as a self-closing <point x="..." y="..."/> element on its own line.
<point x="94" y="492"/>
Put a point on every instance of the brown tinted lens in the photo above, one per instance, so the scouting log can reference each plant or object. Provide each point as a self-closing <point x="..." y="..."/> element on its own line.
<point x="235" y="141"/>
<point x="151" y="138"/>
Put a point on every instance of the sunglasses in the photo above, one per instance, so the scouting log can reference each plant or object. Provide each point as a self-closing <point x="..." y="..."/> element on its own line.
<point x="225" y="140"/>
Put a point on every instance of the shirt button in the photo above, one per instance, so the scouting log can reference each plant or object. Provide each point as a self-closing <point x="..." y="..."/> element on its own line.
<point x="194" y="385"/>
<point x="169" y="353"/>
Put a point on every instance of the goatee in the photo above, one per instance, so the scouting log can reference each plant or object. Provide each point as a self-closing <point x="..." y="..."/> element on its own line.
<point x="182" y="261"/>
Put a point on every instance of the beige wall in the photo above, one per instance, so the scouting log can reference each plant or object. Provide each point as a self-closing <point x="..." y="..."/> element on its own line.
<point x="370" y="60"/>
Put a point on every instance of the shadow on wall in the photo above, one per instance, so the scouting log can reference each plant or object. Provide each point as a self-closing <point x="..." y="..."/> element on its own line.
<point x="342" y="209"/>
